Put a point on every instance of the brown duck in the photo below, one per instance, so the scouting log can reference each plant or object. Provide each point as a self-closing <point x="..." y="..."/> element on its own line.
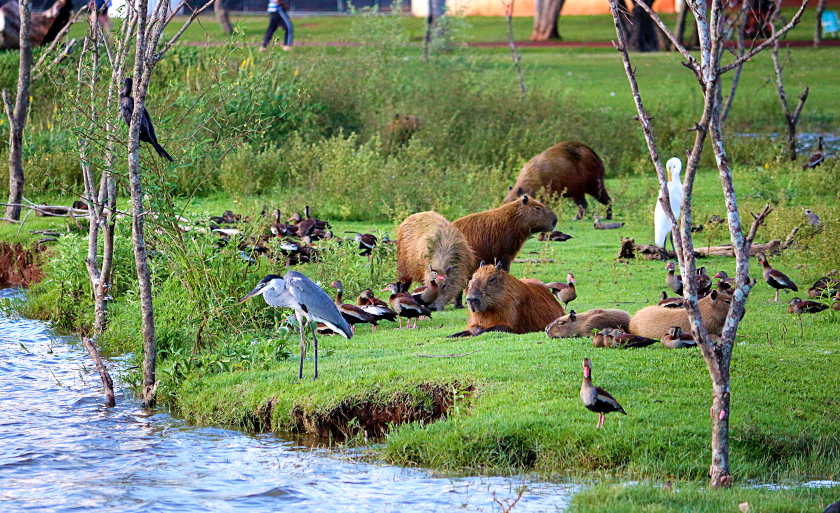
<point x="351" y="313"/>
<point x="674" y="281"/>
<point x="425" y="295"/>
<point x="774" y="278"/>
<point x="405" y="305"/>
<point x="596" y="399"/>
<point x="624" y="340"/>
<point x="676" y="339"/>
<point x="565" y="292"/>
<point x="671" y="302"/>
<point x="601" y="338"/>
<point x="797" y="306"/>
<point x="824" y="286"/>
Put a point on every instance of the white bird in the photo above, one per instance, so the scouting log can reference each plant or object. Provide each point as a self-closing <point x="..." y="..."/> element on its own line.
<point x="308" y="300"/>
<point x="660" y="220"/>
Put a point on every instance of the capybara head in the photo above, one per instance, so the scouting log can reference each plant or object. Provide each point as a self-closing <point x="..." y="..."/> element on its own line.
<point x="533" y="215"/>
<point x="563" y="327"/>
<point x="486" y="288"/>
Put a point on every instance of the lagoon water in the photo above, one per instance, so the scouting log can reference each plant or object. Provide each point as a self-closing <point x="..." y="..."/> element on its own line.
<point x="62" y="450"/>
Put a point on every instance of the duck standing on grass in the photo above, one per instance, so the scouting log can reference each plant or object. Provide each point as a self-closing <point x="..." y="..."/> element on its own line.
<point x="776" y="279"/>
<point x="596" y="399"/>
<point x="405" y="305"/>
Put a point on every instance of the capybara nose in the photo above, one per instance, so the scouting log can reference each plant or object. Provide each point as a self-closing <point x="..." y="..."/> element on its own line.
<point x="554" y="221"/>
<point x="472" y="301"/>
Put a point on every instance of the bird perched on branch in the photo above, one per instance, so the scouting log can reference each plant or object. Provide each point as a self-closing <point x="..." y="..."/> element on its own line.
<point x="147" y="130"/>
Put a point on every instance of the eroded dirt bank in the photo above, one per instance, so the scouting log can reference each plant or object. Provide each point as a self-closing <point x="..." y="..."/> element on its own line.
<point x="19" y="266"/>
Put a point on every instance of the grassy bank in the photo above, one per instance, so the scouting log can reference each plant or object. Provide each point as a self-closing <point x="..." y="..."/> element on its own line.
<point x="318" y="135"/>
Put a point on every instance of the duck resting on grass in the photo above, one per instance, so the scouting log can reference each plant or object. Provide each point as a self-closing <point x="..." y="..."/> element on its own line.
<point x="310" y="303"/>
<point x="596" y="399"/>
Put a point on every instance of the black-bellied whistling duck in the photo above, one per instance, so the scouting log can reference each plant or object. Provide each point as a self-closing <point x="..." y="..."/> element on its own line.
<point x="704" y="282"/>
<point x="295" y="219"/>
<point x="824" y="286"/>
<point x="600" y="338"/>
<point x="553" y="236"/>
<point x="817" y="158"/>
<point x="565" y="292"/>
<point x="366" y="243"/>
<point x="628" y="340"/>
<point x="227" y="218"/>
<point x="596" y="399"/>
<point x="381" y="313"/>
<point x="676" y="339"/>
<point x="836" y="305"/>
<point x="725" y="279"/>
<point x="425" y="295"/>
<point x="307" y="224"/>
<point x="366" y="297"/>
<point x="351" y="313"/>
<point x="797" y="306"/>
<point x="774" y="278"/>
<point x="671" y="302"/>
<point x="813" y="219"/>
<point x="405" y="305"/>
<point x="606" y="226"/>
<point x="674" y="281"/>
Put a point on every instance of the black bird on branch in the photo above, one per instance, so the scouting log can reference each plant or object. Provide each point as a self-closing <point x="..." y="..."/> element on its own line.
<point x="147" y="130"/>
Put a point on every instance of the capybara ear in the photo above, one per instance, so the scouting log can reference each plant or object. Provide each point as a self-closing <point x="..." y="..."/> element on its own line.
<point x="481" y="264"/>
<point x="572" y="315"/>
<point x="714" y="295"/>
<point x="519" y="191"/>
<point x="498" y="266"/>
<point x="525" y="199"/>
<point x="510" y="188"/>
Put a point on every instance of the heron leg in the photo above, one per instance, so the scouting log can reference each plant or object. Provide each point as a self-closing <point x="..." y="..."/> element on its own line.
<point x="315" y="344"/>
<point x="671" y="236"/>
<point x="302" y="342"/>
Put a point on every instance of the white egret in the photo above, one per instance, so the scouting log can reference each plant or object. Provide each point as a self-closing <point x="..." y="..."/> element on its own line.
<point x="660" y="220"/>
<point x="308" y="300"/>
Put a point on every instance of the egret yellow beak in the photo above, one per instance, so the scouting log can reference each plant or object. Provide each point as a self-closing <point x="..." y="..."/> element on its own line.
<point x="668" y="174"/>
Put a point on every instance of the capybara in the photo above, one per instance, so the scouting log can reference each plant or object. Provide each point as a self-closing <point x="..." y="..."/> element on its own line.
<point x="400" y="129"/>
<point x="499" y="302"/>
<point x="497" y="235"/>
<point x="583" y="324"/>
<point x="427" y="241"/>
<point x="569" y="169"/>
<point x="655" y="321"/>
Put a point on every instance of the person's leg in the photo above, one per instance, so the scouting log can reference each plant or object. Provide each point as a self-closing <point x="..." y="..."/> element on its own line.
<point x="286" y="23"/>
<point x="273" y="22"/>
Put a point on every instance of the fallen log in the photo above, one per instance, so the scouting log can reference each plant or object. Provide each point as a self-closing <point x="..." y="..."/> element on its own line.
<point x="107" y="383"/>
<point x="629" y="249"/>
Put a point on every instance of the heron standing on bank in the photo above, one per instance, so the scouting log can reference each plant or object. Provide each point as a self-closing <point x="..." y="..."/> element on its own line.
<point x="308" y="300"/>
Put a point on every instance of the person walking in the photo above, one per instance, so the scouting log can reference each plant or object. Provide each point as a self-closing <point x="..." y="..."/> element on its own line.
<point x="278" y="17"/>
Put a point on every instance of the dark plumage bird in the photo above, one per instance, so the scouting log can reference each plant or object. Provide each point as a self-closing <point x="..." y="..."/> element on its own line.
<point x="147" y="130"/>
<point x="306" y="226"/>
<point x="601" y="338"/>
<point x="405" y="305"/>
<point x="797" y="306"/>
<point x="774" y="278"/>
<point x="628" y="340"/>
<point x="833" y="508"/>
<point x="596" y="399"/>
<point x="727" y="282"/>
<point x="676" y="339"/>
<point x="425" y="295"/>
<point x="824" y="286"/>
<point x="554" y="236"/>
<point x="606" y="226"/>
<point x="352" y="314"/>
<point x="674" y="281"/>
<point x="366" y="243"/>
<point x="704" y="282"/>
<point x="817" y="158"/>
<point x="565" y="292"/>
<point x="671" y="302"/>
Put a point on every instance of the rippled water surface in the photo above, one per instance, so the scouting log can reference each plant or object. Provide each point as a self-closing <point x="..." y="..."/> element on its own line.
<point x="61" y="450"/>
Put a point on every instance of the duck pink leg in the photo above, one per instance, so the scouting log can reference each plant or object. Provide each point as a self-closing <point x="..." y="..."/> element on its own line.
<point x="401" y="323"/>
<point x="777" y="295"/>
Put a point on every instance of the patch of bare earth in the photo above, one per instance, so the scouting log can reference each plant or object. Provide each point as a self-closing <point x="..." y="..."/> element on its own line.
<point x="18" y="266"/>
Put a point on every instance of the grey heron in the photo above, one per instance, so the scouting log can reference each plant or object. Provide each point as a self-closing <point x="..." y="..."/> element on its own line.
<point x="308" y="300"/>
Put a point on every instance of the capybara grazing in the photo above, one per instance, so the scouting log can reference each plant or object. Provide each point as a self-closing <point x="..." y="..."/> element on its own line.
<point x="427" y="241"/>
<point x="569" y="169"/>
<point x="583" y="324"/>
<point x="499" y="302"/>
<point x="655" y="321"/>
<point x="497" y="235"/>
<point x="400" y="129"/>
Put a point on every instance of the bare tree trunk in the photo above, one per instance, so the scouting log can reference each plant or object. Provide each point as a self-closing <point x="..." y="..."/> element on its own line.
<point x="223" y="17"/>
<point x="792" y="118"/>
<point x="107" y="382"/>
<point x="17" y="117"/>
<point x="513" y="52"/>
<point x="546" y="16"/>
<point x="679" y="26"/>
<point x="716" y="353"/>
<point x="819" y="30"/>
<point x="436" y="10"/>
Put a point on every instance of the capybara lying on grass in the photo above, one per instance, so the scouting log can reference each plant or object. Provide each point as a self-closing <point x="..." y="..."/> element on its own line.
<point x="655" y="321"/>
<point x="499" y="302"/>
<point x="569" y="169"/>
<point x="427" y="241"/>
<point x="583" y="324"/>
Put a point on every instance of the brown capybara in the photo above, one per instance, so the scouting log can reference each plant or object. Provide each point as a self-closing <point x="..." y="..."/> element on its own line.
<point x="655" y="321"/>
<point x="400" y="129"/>
<point x="427" y="241"/>
<point x="583" y="324"/>
<point x="497" y="235"/>
<point x="499" y="302"/>
<point x="569" y="169"/>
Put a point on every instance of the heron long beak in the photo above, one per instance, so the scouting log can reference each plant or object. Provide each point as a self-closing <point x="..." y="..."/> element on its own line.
<point x="257" y="290"/>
